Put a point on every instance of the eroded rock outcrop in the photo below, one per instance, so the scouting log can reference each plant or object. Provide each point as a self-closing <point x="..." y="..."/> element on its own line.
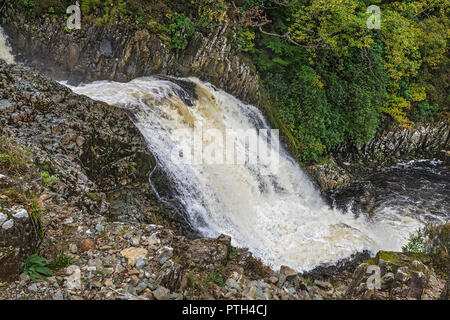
<point x="122" y="53"/>
<point x="391" y="145"/>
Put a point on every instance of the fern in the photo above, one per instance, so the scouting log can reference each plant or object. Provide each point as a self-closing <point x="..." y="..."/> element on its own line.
<point x="36" y="267"/>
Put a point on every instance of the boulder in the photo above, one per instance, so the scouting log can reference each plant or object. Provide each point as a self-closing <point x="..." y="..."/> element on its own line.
<point x="18" y="240"/>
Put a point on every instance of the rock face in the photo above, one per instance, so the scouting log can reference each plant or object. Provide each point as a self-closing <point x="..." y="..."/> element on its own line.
<point x="391" y="145"/>
<point x="394" y="275"/>
<point x="329" y="177"/>
<point x="92" y="148"/>
<point x="18" y="240"/>
<point x="121" y="53"/>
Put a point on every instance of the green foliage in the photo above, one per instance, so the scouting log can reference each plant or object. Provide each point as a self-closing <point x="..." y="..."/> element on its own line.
<point x="216" y="278"/>
<point x="62" y="260"/>
<point x="211" y="13"/>
<point x="13" y="159"/>
<point x="416" y="243"/>
<point x="28" y="3"/>
<point x="245" y="40"/>
<point x="110" y="10"/>
<point x="181" y="30"/>
<point x="336" y="99"/>
<point x="424" y="111"/>
<point x="327" y="79"/>
<point x="36" y="267"/>
<point x="332" y="80"/>
<point x="48" y="179"/>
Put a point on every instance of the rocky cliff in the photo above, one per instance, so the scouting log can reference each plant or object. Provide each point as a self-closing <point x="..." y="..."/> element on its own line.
<point x="122" y="53"/>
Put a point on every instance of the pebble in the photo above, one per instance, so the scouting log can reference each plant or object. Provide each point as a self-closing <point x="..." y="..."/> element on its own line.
<point x="8" y="224"/>
<point x="58" y="296"/>
<point x="21" y="214"/>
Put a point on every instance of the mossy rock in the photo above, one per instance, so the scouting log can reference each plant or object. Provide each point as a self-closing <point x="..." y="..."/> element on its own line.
<point x="399" y="259"/>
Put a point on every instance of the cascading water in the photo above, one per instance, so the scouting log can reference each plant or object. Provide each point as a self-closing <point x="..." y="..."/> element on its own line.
<point x="278" y="215"/>
<point x="5" y="50"/>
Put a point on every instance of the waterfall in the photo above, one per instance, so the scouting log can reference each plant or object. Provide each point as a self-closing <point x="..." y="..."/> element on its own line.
<point x="5" y="50"/>
<point x="275" y="211"/>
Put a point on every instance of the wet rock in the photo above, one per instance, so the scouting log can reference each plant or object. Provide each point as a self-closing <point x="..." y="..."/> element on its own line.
<point x="329" y="176"/>
<point x="85" y="58"/>
<point x="288" y="272"/>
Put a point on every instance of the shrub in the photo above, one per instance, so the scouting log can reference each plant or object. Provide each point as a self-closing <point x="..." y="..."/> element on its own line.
<point x="181" y="30"/>
<point x="48" y="179"/>
<point x="416" y="243"/>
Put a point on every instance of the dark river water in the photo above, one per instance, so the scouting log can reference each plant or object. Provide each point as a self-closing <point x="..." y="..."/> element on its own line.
<point x="415" y="190"/>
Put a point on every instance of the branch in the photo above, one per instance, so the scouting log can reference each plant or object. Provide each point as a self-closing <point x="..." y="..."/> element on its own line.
<point x="288" y="38"/>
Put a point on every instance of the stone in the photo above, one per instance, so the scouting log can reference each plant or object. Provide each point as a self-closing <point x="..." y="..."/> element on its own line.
<point x="135" y="241"/>
<point x="108" y="283"/>
<point x="133" y="254"/>
<point x="288" y="272"/>
<point x="232" y="284"/>
<point x="73" y="248"/>
<point x="387" y="281"/>
<point x="416" y="284"/>
<point x="24" y="277"/>
<point x="21" y="214"/>
<point x="250" y="293"/>
<point x="33" y="287"/>
<point x="141" y="287"/>
<point x="418" y="266"/>
<point x="58" y="296"/>
<point x="8" y="224"/>
<point x="80" y="141"/>
<point x="323" y="285"/>
<point x="3" y="218"/>
<point x="86" y="245"/>
<point x="73" y="281"/>
<point x="402" y="275"/>
<point x="140" y="263"/>
<point x="161" y="293"/>
<point x="281" y="280"/>
<point x="99" y="228"/>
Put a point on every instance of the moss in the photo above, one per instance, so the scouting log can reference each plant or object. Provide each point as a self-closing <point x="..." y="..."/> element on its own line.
<point x="387" y="256"/>
<point x="371" y="261"/>
<point x="93" y="196"/>
<point x="275" y="122"/>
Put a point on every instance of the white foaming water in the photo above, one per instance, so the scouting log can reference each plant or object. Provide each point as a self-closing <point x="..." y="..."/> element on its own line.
<point x="279" y="216"/>
<point x="5" y="50"/>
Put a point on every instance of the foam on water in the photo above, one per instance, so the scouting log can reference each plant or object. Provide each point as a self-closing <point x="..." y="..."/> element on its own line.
<point x="5" y="50"/>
